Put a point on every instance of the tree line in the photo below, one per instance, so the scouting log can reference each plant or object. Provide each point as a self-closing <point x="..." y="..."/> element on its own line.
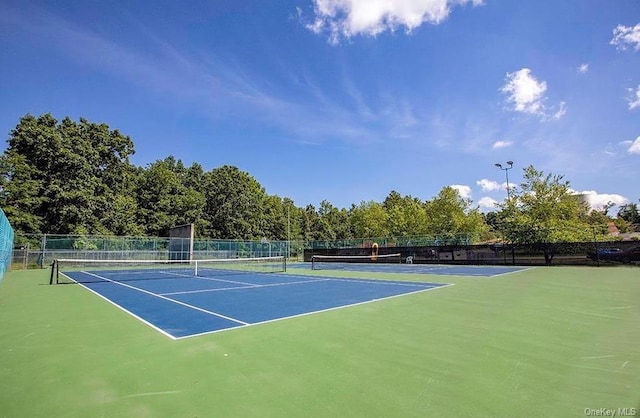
<point x="67" y="177"/>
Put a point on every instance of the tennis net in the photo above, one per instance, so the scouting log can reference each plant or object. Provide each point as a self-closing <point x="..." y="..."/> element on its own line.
<point x="320" y="262"/>
<point x="90" y="270"/>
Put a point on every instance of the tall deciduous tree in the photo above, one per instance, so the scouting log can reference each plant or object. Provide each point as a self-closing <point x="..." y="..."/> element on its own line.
<point x="333" y="223"/>
<point x="166" y="196"/>
<point x="450" y="215"/>
<point x="544" y="210"/>
<point x="61" y="177"/>
<point x="234" y="204"/>
<point x="369" y="220"/>
<point x="275" y="223"/>
<point x="630" y="213"/>
<point x="407" y="215"/>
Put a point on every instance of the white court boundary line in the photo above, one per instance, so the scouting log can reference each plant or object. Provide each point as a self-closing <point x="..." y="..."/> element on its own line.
<point x="247" y="324"/>
<point x="521" y="269"/>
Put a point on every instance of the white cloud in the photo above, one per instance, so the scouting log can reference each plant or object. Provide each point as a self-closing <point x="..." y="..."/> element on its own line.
<point x="527" y="95"/>
<point x="487" y="203"/>
<point x="525" y="92"/>
<point x="583" y="68"/>
<point x="489" y="185"/>
<point x="599" y="200"/>
<point x="502" y="144"/>
<point x="626" y="36"/>
<point x="561" y="111"/>
<point x="634" y="147"/>
<point x="464" y="191"/>
<point x="347" y="18"/>
<point x="634" y="98"/>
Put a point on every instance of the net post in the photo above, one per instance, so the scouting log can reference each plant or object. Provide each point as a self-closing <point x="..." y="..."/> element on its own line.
<point x="53" y="271"/>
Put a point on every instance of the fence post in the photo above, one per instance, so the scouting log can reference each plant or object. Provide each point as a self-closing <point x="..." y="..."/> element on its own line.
<point x="595" y="245"/>
<point x="44" y="249"/>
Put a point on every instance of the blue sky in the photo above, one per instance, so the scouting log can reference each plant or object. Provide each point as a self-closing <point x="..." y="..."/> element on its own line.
<point x="345" y="100"/>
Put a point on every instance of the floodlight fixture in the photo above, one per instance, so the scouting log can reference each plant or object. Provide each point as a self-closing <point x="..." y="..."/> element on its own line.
<point x="506" y="172"/>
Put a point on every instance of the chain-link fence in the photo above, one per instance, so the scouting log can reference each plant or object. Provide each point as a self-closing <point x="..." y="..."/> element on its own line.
<point x="38" y="251"/>
<point x="541" y="247"/>
<point x="503" y="247"/>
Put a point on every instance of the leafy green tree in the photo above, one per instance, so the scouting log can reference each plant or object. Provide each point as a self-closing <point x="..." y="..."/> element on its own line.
<point x="630" y="213"/>
<point x="369" y="220"/>
<point x="21" y="193"/>
<point x="492" y="219"/>
<point x="275" y="223"/>
<point x="406" y="215"/>
<point x="61" y="177"/>
<point x="308" y="223"/>
<point x="333" y="223"/>
<point x="294" y="219"/>
<point x="450" y="215"/>
<point x="234" y="204"/>
<point x="599" y="220"/>
<point x="114" y="178"/>
<point x="166" y="199"/>
<point x="544" y="210"/>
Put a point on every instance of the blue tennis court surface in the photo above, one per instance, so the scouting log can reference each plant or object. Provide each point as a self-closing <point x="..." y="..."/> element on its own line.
<point x="439" y="269"/>
<point x="179" y="305"/>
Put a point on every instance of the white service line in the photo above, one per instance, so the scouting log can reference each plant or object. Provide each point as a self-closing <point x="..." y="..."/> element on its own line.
<point x="187" y="292"/>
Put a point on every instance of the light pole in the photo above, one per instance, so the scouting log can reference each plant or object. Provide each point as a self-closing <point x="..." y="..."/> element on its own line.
<point x="506" y="172"/>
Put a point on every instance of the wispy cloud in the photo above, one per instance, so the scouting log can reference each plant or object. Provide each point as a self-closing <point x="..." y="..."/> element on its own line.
<point x="634" y="146"/>
<point x="634" y="98"/>
<point x="157" y="65"/>
<point x="343" y="19"/>
<point x="562" y="110"/>
<point x="217" y="87"/>
<point x="526" y="94"/>
<point x="626" y="36"/>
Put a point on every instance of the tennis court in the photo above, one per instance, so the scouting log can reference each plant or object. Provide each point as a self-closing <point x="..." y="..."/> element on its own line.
<point x="542" y="342"/>
<point x="437" y="269"/>
<point x="180" y="300"/>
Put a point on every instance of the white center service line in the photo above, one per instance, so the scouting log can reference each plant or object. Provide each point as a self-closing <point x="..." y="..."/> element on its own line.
<point x="187" y="292"/>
